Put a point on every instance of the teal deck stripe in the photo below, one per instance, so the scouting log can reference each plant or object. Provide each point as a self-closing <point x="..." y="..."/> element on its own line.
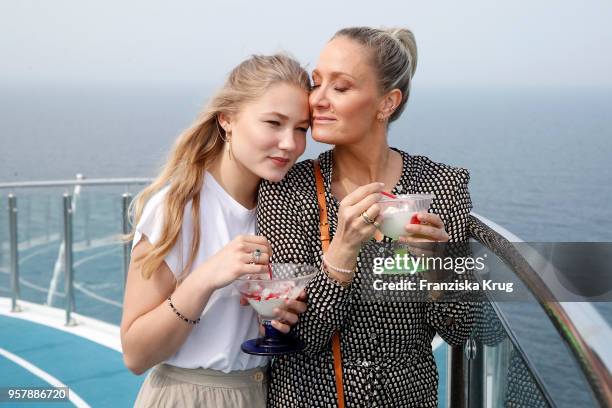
<point x="93" y="371"/>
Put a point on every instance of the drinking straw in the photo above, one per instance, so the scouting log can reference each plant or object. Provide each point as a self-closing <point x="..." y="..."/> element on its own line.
<point x="388" y="194"/>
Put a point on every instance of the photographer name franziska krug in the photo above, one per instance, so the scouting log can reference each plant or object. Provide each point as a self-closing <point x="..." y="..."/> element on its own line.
<point x="406" y="264"/>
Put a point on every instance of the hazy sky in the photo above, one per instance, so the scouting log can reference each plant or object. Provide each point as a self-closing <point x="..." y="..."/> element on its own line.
<point x="482" y="42"/>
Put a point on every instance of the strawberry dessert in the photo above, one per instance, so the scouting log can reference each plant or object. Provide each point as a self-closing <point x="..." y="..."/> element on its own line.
<point x="264" y="297"/>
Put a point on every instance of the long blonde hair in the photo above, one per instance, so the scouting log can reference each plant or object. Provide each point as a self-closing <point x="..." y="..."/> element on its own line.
<point x="199" y="145"/>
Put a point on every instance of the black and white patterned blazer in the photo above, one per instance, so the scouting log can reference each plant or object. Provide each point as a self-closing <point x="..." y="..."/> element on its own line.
<point x="385" y="338"/>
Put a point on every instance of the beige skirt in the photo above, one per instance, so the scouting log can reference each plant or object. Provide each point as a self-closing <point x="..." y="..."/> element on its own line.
<point x="169" y="386"/>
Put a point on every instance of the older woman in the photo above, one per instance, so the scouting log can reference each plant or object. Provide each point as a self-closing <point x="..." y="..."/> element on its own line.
<point x="361" y="84"/>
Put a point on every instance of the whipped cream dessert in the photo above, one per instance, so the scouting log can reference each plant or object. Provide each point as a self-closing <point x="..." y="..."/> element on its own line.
<point x="396" y="213"/>
<point x="394" y="221"/>
<point x="267" y="295"/>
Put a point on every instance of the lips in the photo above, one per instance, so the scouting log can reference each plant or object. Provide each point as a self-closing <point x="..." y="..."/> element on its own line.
<point x="280" y="161"/>
<point x="323" y="119"/>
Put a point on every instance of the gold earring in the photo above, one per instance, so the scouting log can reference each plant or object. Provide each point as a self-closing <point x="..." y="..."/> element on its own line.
<point x="221" y="133"/>
<point x="229" y="142"/>
<point x="380" y="117"/>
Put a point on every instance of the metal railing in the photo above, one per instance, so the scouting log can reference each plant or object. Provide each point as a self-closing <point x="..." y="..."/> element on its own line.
<point x="79" y="182"/>
<point x="591" y="355"/>
<point x="14" y="252"/>
<point x="69" y="207"/>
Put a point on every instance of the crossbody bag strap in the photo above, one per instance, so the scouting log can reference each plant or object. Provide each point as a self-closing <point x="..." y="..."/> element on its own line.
<point x="323" y="223"/>
<point x="325" y="238"/>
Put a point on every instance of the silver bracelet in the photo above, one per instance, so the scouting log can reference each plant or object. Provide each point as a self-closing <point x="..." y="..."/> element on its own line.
<point x="336" y="269"/>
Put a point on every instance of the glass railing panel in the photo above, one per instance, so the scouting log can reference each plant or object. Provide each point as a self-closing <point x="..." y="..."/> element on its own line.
<point x="98" y="254"/>
<point x="440" y="355"/>
<point x="499" y="374"/>
<point x="97" y="251"/>
<point x="39" y="226"/>
<point x="496" y="365"/>
<point x="5" y="282"/>
<point x="524" y="359"/>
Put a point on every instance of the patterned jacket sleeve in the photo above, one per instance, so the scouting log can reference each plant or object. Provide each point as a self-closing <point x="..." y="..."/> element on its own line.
<point x="450" y="315"/>
<point x="288" y="217"/>
<point x="281" y="219"/>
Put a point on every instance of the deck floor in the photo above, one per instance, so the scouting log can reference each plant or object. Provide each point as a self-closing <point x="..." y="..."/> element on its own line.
<point x="94" y="372"/>
<point x="37" y="355"/>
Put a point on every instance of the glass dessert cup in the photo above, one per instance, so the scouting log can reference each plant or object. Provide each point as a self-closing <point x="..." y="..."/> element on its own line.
<point x="267" y="292"/>
<point x="396" y="213"/>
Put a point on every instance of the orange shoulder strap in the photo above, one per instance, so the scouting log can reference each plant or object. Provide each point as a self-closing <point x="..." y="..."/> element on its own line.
<point x="325" y="238"/>
<point x="323" y="224"/>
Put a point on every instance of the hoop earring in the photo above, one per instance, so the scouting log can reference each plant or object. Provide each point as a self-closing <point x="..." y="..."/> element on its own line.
<point x="221" y="134"/>
<point x="227" y="139"/>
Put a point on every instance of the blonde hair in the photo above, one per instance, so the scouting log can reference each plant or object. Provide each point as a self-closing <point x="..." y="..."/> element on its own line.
<point x="394" y="57"/>
<point x="199" y="145"/>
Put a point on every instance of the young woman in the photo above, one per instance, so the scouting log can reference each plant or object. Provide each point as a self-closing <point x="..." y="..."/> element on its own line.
<point x="195" y="234"/>
<point x="361" y="83"/>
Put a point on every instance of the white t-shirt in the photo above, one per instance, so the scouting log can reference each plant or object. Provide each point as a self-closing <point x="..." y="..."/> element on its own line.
<point x="215" y="342"/>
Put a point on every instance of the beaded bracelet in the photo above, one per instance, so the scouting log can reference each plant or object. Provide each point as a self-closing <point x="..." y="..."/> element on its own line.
<point x="180" y="316"/>
<point x="332" y="279"/>
<point x="335" y="268"/>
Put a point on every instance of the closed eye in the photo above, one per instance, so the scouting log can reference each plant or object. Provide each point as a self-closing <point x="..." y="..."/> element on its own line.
<point x="303" y="129"/>
<point x="273" y="122"/>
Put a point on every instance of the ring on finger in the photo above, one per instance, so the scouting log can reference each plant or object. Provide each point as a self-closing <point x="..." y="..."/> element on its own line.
<point x="366" y="218"/>
<point x="255" y="255"/>
<point x="376" y="224"/>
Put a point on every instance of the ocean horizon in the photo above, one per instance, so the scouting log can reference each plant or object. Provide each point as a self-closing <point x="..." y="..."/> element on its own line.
<point x="539" y="158"/>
